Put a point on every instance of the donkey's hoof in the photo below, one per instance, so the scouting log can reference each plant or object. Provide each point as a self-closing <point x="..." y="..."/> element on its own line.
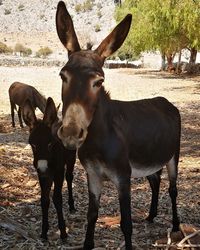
<point x="149" y="219"/>
<point x="44" y="236"/>
<point x="72" y="210"/>
<point x="63" y="236"/>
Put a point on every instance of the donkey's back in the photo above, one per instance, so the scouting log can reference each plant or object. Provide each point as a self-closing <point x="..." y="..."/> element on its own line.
<point x="151" y="130"/>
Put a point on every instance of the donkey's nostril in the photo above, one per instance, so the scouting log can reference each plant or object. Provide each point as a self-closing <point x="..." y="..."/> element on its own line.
<point x="63" y="130"/>
<point x="80" y="134"/>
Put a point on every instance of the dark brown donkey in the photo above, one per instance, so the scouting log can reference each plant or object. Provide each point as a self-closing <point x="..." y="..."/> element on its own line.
<point x="18" y="93"/>
<point x="50" y="158"/>
<point x="115" y="139"/>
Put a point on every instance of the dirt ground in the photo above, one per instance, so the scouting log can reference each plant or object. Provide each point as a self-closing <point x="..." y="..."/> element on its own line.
<point x="20" y="213"/>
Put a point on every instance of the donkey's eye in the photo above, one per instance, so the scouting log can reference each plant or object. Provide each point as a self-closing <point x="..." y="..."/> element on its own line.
<point x="98" y="83"/>
<point x="64" y="79"/>
<point x="64" y="76"/>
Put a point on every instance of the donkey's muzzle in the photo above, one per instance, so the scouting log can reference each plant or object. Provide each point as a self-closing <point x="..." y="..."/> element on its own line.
<point x="71" y="136"/>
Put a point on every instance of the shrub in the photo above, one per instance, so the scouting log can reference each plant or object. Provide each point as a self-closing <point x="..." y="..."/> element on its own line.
<point x="99" y="6"/>
<point x="5" y="49"/>
<point x="99" y="14"/>
<point x="27" y="52"/>
<point x="43" y="52"/>
<point x="86" y="6"/>
<point x="42" y="16"/>
<point x="97" y="28"/>
<point x="22" y="49"/>
<point x="78" y="8"/>
<point x="21" y="7"/>
<point x="7" y="11"/>
<point x="125" y="53"/>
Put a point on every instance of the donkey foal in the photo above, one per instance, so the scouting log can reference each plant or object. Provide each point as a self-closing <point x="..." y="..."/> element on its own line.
<point x="18" y="93"/>
<point x="50" y="158"/>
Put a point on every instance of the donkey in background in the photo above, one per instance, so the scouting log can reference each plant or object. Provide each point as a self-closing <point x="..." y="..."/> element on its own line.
<point x="115" y="139"/>
<point x="18" y="93"/>
<point x="50" y="158"/>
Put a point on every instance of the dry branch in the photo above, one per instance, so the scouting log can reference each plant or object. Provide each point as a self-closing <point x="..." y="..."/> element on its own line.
<point x="14" y="226"/>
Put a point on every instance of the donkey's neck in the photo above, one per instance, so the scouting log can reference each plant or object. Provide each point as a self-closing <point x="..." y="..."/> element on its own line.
<point x="40" y="101"/>
<point x="102" y="118"/>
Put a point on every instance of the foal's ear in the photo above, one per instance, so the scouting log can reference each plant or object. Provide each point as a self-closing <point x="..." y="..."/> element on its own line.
<point x="65" y="29"/>
<point x="115" y="39"/>
<point x="28" y="113"/>
<point x="50" y="114"/>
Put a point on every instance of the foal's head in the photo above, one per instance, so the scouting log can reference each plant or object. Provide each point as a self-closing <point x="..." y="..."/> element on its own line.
<point x="41" y="138"/>
<point x="82" y="76"/>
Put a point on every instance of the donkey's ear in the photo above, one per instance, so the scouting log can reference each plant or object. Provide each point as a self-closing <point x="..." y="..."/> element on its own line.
<point x="115" y="39"/>
<point x="50" y="114"/>
<point x="28" y="113"/>
<point x="65" y="29"/>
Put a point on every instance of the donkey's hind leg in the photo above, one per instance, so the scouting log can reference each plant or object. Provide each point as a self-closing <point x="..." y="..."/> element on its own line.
<point x="20" y="117"/>
<point x="154" y="181"/>
<point x="12" y="107"/>
<point x="172" y="168"/>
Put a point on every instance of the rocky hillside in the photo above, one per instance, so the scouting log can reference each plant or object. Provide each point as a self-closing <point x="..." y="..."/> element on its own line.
<point x="32" y="23"/>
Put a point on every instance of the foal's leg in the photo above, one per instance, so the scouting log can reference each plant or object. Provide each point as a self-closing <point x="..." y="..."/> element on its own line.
<point x="12" y="107"/>
<point x="57" y="200"/>
<point x="94" y="188"/>
<point x="172" y="168"/>
<point x="154" y="181"/>
<point x="70" y="161"/>
<point x="45" y="185"/>
<point x="20" y="117"/>
<point x="125" y="209"/>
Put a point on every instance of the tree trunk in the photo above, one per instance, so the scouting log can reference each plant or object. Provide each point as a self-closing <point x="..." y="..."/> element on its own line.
<point x="193" y="55"/>
<point x="170" y="66"/>
<point x="178" y="63"/>
<point x="192" y="60"/>
<point x="163" y="61"/>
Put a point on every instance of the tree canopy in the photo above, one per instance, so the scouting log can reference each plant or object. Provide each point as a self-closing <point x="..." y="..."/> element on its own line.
<point x="165" y="25"/>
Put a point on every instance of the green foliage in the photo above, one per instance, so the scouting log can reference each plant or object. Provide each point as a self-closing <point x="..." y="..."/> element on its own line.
<point x="165" y="25"/>
<point x="5" y="49"/>
<point x="22" y="49"/>
<point x="44" y="52"/>
<point x="27" y="52"/>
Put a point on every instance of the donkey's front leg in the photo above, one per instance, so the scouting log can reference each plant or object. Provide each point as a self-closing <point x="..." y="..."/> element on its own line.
<point x="57" y="200"/>
<point x="70" y="162"/>
<point x="45" y="184"/>
<point x="94" y="188"/>
<point x="125" y="209"/>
